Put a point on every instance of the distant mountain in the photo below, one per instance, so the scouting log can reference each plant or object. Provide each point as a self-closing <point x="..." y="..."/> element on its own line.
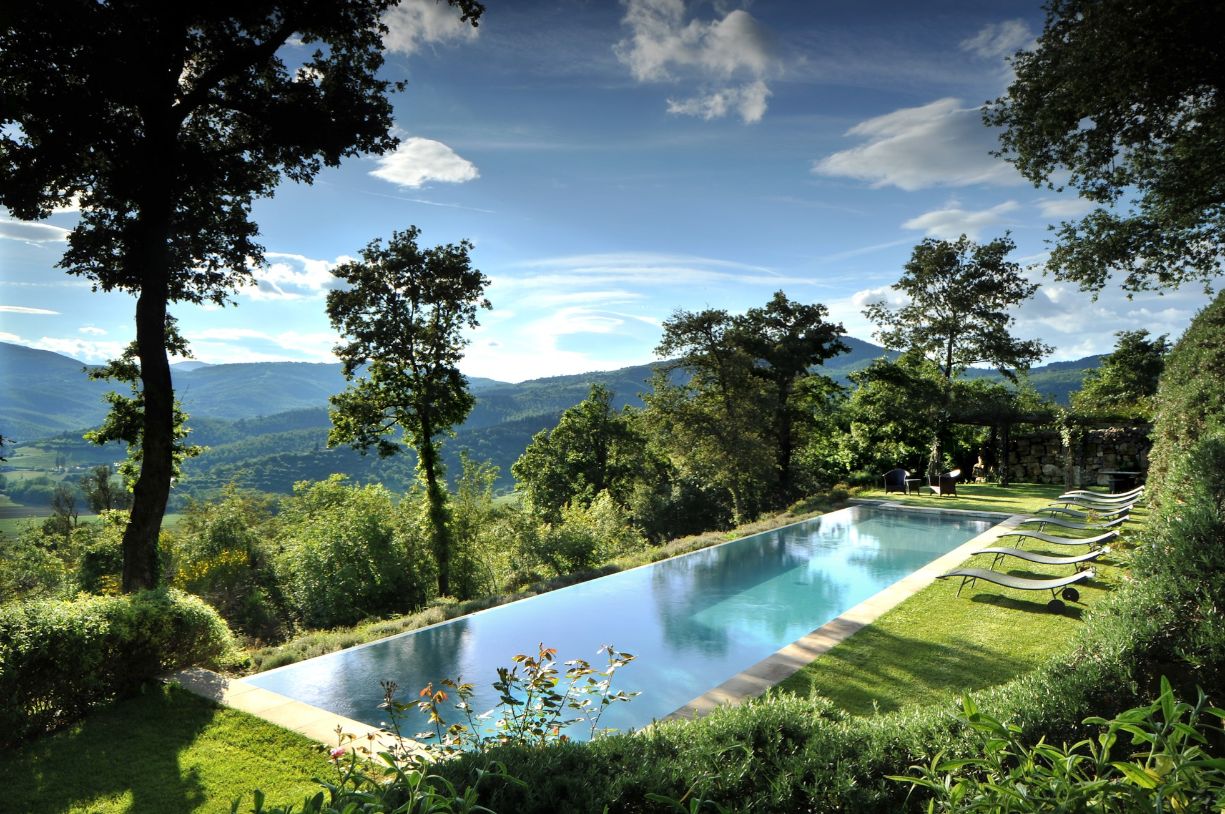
<point x="44" y="393"/>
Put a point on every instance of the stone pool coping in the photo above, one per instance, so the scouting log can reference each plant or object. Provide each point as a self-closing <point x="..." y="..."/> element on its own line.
<point x="308" y="721"/>
<point x="791" y="659"/>
<point x="321" y="726"/>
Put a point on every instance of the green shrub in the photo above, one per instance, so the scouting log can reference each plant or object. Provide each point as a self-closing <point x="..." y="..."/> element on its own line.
<point x="346" y="554"/>
<point x="1190" y="398"/>
<point x="59" y="658"/>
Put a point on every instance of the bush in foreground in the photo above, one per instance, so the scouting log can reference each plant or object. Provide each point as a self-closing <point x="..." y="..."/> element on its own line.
<point x="59" y="658"/>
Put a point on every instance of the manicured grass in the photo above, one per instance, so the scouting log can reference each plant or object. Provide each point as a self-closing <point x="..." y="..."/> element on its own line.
<point x="161" y="752"/>
<point x="1020" y="498"/>
<point x="936" y="643"/>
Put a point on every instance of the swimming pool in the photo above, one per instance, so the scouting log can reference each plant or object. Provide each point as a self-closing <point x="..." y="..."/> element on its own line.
<point x="692" y="621"/>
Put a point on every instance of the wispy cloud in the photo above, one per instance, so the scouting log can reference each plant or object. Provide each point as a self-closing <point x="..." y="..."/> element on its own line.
<point x="429" y="203"/>
<point x="1061" y="208"/>
<point x="953" y="221"/>
<point x="937" y="144"/>
<point x="643" y="269"/>
<point x="999" y="40"/>
<point x="731" y="56"/>
<point x="21" y="309"/>
<point x="225" y="345"/>
<point x="29" y="232"/>
<point x="418" y="161"/>
<point x="413" y="23"/>
<point x="87" y="350"/>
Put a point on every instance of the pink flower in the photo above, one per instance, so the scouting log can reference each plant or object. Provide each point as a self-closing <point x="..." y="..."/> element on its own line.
<point x="338" y="753"/>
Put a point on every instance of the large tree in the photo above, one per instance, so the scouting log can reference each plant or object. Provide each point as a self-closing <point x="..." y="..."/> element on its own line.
<point x="751" y="385"/>
<point x="1124" y="101"/>
<point x="958" y="298"/>
<point x="1126" y="382"/>
<point x="163" y="122"/>
<point x="403" y="312"/>
<point x="594" y="448"/>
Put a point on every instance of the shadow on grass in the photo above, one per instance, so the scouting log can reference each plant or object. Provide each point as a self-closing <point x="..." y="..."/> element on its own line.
<point x="138" y="740"/>
<point x="1071" y="610"/>
<point x="934" y="665"/>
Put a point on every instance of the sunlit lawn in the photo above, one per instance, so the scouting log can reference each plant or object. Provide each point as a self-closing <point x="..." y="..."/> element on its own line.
<point x="165" y="752"/>
<point x="937" y="643"/>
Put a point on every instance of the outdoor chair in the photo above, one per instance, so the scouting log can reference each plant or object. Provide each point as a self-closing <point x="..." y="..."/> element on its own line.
<point x="1076" y="560"/>
<point x="946" y="483"/>
<point x="1089" y="516"/>
<point x="1095" y="505"/>
<point x="1106" y="497"/>
<point x="1043" y="522"/>
<point x="972" y="575"/>
<point x="895" y="480"/>
<point x="1092" y="542"/>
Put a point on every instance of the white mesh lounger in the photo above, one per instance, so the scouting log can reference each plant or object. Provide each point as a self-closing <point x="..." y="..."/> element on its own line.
<point x="1076" y="560"/>
<point x="1043" y="522"/>
<point x="1124" y="512"/>
<point x="1059" y="586"/>
<point x="1093" y="542"/>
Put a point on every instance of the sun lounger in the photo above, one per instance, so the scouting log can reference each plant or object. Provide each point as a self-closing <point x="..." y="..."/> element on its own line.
<point x="1098" y="500"/>
<point x="1075" y="560"/>
<point x="1128" y="495"/>
<point x="1082" y="516"/>
<point x="1094" y="506"/>
<point x="1043" y="522"/>
<point x="1060" y="586"/>
<point x="1093" y="542"/>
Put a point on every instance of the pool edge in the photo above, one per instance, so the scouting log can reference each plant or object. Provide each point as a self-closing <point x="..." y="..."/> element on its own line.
<point x="788" y="660"/>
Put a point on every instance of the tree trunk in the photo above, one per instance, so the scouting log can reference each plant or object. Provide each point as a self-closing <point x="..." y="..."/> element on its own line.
<point x="436" y="507"/>
<point x="152" y="488"/>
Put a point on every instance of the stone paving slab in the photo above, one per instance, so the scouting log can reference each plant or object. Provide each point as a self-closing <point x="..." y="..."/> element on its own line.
<point x="790" y="659"/>
<point x="308" y="721"/>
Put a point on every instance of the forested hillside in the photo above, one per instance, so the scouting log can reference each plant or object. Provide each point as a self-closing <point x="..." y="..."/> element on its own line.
<point x="265" y="424"/>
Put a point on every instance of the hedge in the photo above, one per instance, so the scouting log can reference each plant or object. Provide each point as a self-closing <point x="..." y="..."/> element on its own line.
<point x="59" y="658"/>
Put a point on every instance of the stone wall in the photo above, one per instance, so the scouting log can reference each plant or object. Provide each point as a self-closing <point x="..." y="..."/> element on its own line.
<point x="1041" y="457"/>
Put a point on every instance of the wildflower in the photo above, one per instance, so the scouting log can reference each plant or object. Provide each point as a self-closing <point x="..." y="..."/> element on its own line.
<point x="338" y="753"/>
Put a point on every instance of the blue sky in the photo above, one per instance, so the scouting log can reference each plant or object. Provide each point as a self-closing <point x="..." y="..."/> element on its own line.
<point x="616" y="161"/>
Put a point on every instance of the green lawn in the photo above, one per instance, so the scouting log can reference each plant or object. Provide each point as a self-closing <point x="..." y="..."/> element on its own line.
<point x="165" y="752"/>
<point x="937" y="643"/>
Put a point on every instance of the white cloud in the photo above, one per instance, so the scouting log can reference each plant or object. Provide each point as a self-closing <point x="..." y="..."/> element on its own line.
<point x="417" y="161"/>
<point x="91" y="330"/>
<point x="1061" y="208"/>
<point x="662" y="46"/>
<point x="5" y="336"/>
<point x="21" y="309"/>
<point x="29" y="232"/>
<point x="640" y="268"/>
<point x="87" y="350"/>
<point x="749" y="101"/>
<point x="293" y="277"/>
<point x="228" y="345"/>
<point x="412" y="23"/>
<point x="953" y="221"/>
<point x="937" y="144"/>
<point x="999" y="40"/>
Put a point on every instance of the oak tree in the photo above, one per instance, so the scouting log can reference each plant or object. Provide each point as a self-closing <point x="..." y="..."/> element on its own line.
<point x="164" y="122"/>
<point x="1124" y="102"/>
<point x="402" y="315"/>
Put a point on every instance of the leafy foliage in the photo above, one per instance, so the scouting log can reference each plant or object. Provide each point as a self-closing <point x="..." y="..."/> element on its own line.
<point x="592" y="449"/>
<point x="345" y="554"/>
<point x="750" y="399"/>
<point x="959" y="294"/>
<point x="403" y="314"/>
<point x="1126" y="382"/>
<point x="60" y="658"/>
<point x="1170" y="765"/>
<point x="1125" y="98"/>
<point x="1190" y="402"/>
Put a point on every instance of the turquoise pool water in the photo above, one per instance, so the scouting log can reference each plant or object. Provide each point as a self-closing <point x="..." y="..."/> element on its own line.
<point x="692" y="621"/>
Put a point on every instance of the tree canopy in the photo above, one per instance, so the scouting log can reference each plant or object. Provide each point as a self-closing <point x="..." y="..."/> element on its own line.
<point x="1126" y="382"/>
<point x="1124" y="100"/>
<point x="958" y="297"/>
<point x="403" y="314"/>
<point x="751" y="394"/>
<point x="163" y="122"/>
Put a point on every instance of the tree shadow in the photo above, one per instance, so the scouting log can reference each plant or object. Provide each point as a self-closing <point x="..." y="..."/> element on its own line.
<point x="130" y="747"/>
<point x="934" y="665"/>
